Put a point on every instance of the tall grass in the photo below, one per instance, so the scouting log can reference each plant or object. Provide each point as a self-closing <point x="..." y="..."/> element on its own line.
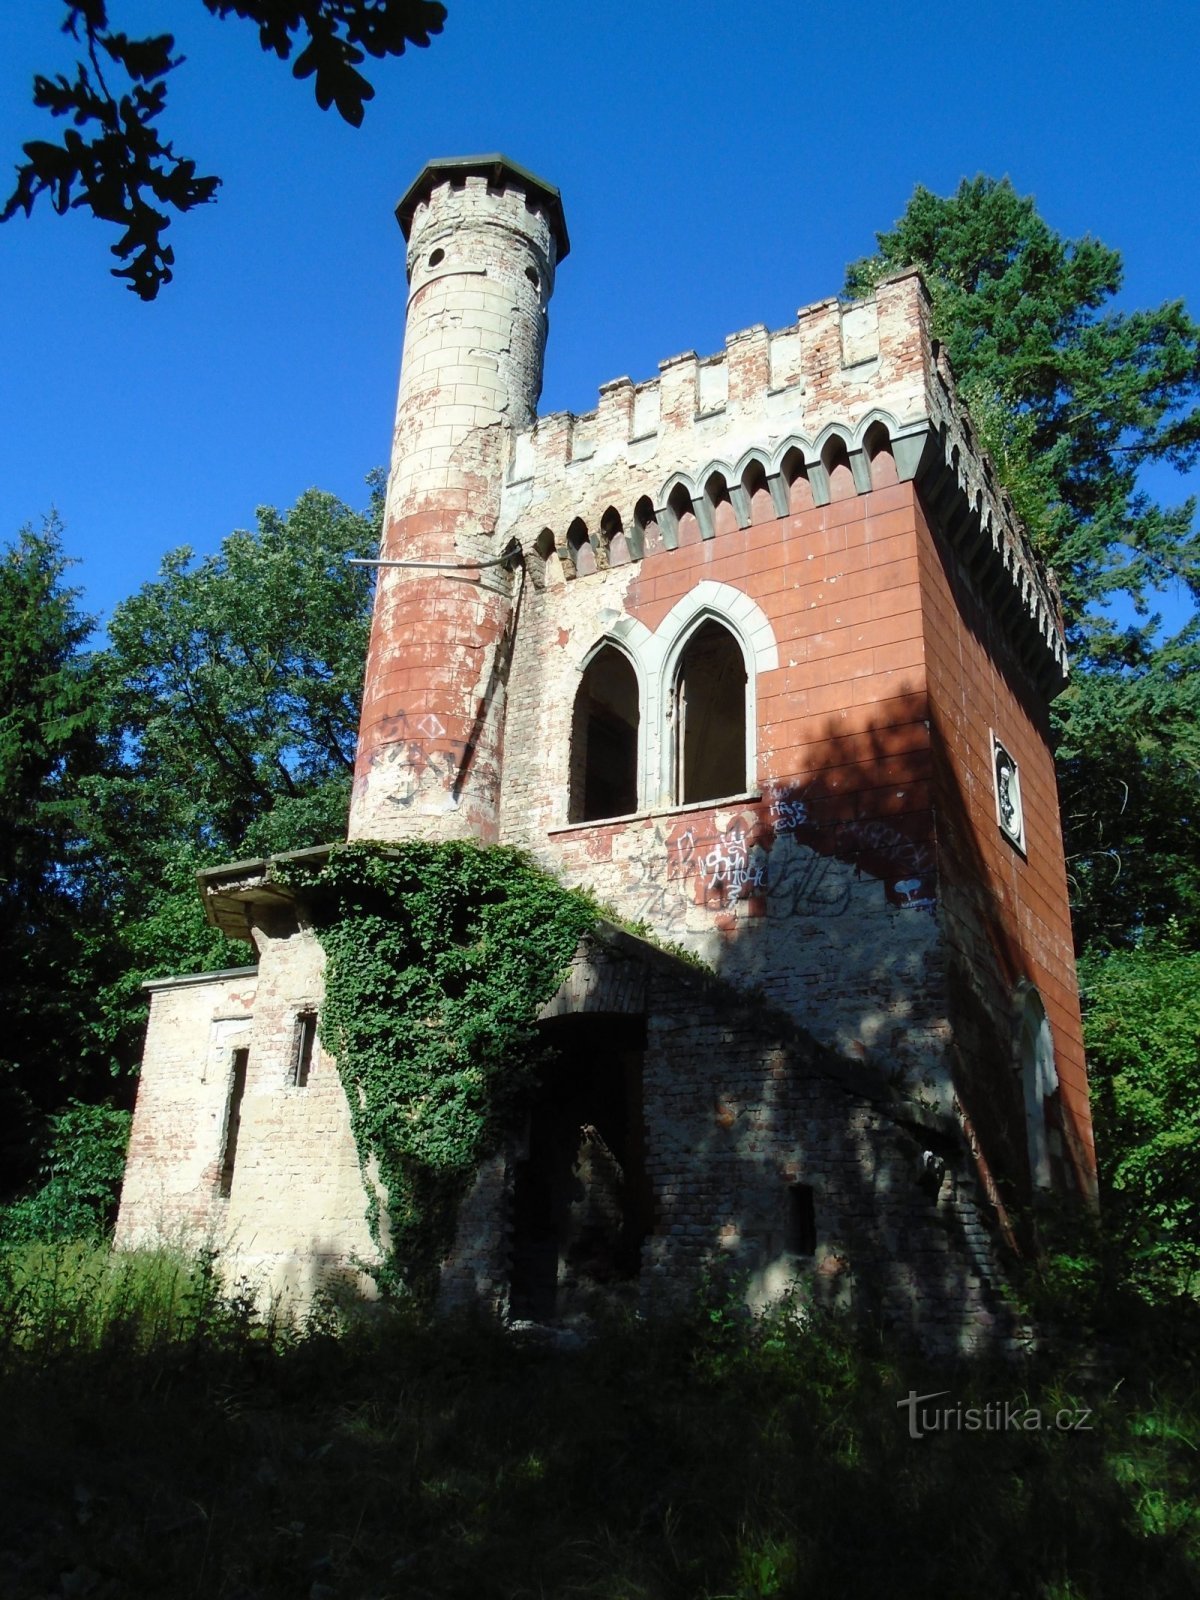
<point x="66" y="1300"/>
<point x="163" y="1440"/>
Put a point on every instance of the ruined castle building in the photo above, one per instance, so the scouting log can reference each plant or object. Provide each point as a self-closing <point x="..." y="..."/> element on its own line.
<point x="758" y="652"/>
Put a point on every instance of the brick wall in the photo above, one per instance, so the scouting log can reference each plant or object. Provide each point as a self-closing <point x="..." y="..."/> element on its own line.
<point x="294" y="1219"/>
<point x="173" y="1170"/>
<point x="819" y="885"/>
<point x="740" y="1110"/>
<point x="1005" y="912"/>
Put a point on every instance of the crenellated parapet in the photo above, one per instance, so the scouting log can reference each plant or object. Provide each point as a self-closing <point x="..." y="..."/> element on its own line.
<point x="854" y="397"/>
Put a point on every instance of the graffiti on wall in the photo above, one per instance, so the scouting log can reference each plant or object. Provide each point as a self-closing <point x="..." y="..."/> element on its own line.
<point x="776" y="859"/>
<point x="418" y="756"/>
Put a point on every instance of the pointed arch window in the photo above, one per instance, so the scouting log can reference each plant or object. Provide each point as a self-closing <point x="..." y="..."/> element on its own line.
<point x="709" y="712"/>
<point x="1039" y="1083"/>
<point x="604" y="739"/>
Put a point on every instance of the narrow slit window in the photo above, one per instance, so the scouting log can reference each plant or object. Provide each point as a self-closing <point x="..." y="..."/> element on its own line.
<point x="710" y="717"/>
<point x="1043" y="1102"/>
<point x="302" y="1055"/>
<point x="233" y="1120"/>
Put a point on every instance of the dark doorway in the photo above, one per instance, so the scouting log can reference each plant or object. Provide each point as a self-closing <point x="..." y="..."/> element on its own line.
<point x="581" y="1201"/>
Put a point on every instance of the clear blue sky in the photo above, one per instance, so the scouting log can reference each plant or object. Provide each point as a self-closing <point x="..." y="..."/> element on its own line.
<point x="719" y="165"/>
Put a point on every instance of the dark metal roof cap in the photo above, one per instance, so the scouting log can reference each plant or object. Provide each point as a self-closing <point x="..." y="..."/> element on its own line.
<point x="496" y="168"/>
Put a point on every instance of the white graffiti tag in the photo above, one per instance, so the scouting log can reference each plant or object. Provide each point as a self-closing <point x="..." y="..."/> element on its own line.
<point x="788" y="813"/>
<point x="728" y="866"/>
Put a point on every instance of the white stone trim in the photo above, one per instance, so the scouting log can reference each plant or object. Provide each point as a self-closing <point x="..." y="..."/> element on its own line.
<point x="748" y="623"/>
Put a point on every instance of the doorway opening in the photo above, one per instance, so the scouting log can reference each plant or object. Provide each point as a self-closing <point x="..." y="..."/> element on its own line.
<point x="581" y="1200"/>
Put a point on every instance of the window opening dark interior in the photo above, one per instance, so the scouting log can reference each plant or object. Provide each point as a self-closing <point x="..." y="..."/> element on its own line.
<point x="233" y="1119"/>
<point x="710" y="717"/>
<point x="581" y="1200"/>
<point x="604" y="740"/>
<point x="306" y="1039"/>
<point x="801" y="1226"/>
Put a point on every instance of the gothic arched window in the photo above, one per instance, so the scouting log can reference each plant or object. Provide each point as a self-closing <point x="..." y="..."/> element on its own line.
<point x="1039" y="1083"/>
<point x="604" y="739"/>
<point x="710" y="716"/>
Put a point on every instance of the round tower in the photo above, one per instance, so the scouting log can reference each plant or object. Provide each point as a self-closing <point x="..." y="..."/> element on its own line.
<point x="484" y="237"/>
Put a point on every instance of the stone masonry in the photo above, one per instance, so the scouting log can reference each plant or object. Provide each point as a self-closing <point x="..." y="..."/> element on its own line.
<point x="757" y="652"/>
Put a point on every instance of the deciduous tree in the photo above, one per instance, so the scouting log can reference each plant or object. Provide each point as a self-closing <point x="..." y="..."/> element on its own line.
<point x="123" y="172"/>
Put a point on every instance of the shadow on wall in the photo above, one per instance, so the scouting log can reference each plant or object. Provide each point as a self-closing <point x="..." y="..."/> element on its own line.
<point x="860" y="887"/>
<point x="765" y="1165"/>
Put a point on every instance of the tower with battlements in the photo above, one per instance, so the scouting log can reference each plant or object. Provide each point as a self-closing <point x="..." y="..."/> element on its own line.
<point x="758" y="652"/>
<point x="484" y="240"/>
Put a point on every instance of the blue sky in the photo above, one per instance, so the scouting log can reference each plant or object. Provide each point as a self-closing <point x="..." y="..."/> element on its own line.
<point x="719" y="166"/>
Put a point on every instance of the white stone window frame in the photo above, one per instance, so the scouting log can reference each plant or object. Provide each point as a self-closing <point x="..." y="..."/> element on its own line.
<point x="999" y="750"/>
<point x="655" y="658"/>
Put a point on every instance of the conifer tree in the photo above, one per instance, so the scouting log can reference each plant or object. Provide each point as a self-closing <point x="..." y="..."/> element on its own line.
<point x="1072" y="398"/>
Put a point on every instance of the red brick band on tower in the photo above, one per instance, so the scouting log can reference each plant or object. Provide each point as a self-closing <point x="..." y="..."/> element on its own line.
<point x="484" y="238"/>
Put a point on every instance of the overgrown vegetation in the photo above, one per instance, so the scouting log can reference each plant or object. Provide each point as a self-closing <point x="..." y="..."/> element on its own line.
<point x="81" y="1171"/>
<point x="218" y="721"/>
<point x="161" y="1440"/>
<point x="1142" y="1029"/>
<point x="438" y="957"/>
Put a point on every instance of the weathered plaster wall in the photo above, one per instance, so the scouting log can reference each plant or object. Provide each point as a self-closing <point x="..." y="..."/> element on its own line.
<point x="296" y="1217"/>
<point x="481" y="261"/>
<point x="818" y="886"/>
<point x="173" y="1169"/>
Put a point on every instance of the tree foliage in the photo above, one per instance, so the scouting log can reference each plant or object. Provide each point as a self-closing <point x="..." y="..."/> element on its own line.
<point x="438" y="957"/>
<point x="122" y="171"/>
<point x="80" y="1174"/>
<point x="220" y="719"/>
<point x="234" y="685"/>
<point x="49" y="744"/>
<point x="1143" y="1039"/>
<point x="1083" y="395"/>
<point x="1072" y="398"/>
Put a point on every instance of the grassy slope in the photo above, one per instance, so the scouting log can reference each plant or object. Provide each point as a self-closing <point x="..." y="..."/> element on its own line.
<point x="160" y="1442"/>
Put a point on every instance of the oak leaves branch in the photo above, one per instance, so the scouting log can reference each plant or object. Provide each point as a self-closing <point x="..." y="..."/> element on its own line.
<point x="114" y="161"/>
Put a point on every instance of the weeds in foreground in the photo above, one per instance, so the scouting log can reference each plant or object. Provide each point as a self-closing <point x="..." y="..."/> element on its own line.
<point x="162" y="1439"/>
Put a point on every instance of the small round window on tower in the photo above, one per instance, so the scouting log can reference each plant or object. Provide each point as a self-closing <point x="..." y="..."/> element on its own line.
<point x="532" y="276"/>
<point x="437" y="258"/>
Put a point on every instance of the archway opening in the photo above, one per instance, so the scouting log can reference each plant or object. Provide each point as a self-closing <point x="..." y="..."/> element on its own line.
<point x="604" y="739"/>
<point x="582" y="1204"/>
<point x="710" y="717"/>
